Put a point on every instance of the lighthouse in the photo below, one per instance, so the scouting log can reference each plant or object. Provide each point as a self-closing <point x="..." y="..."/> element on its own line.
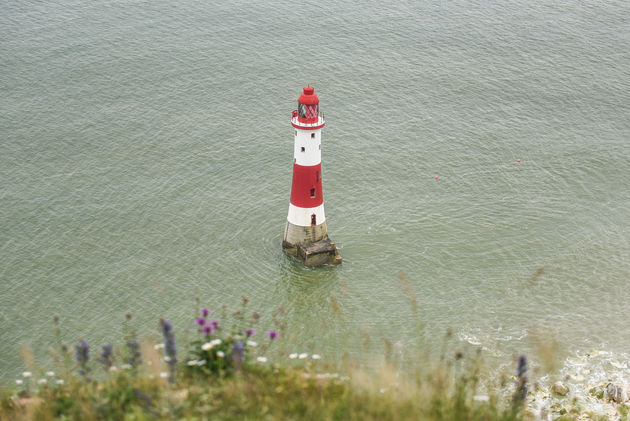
<point x="305" y="232"/>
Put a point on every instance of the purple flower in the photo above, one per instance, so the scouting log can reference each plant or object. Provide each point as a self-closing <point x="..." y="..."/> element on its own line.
<point x="82" y="351"/>
<point x="207" y="330"/>
<point x="250" y="332"/>
<point x="170" y="348"/>
<point x="205" y="312"/>
<point x="272" y="335"/>
<point x="200" y="321"/>
<point x="215" y="325"/>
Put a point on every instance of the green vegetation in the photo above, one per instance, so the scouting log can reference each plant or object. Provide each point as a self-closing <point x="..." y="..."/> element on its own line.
<point x="226" y="375"/>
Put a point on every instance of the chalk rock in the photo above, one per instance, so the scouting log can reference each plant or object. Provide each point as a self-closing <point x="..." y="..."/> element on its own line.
<point x="560" y="389"/>
<point x="616" y="393"/>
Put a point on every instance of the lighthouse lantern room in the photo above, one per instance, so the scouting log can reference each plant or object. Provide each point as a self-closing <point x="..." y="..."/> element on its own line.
<point x="306" y="233"/>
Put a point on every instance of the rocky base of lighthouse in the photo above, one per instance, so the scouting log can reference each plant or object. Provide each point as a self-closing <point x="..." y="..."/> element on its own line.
<point x="319" y="253"/>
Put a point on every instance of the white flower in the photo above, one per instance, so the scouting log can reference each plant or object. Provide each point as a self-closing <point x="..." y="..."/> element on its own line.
<point x="26" y="374"/>
<point x="59" y="381"/>
<point x="113" y="369"/>
<point x="19" y="382"/>
<point x="125" y="366"/>
<point x="220" y="354"/>
<point x="42" y="381"/>
<point x="207" y="346"/>
<point x="167" y="358"/>
<point x="316" y="357"/>
<point x="481" y="398"/>
<point x="293" y="356"/>
<point x="191" y="363"/>
<point x="253" y="344"/>
<point x="303" y="355"/>
<point x="158" y="346"/>
<point x="382" y="390"/>
<point x="215" y="342"/>
<point x="261" y="359"/>
<point x="50" y="373"/>
<point x="201" y="362"/>
<point x="164" y="375"/>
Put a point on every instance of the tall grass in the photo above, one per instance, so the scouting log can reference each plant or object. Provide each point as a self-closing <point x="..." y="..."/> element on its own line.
<point x="225" y="373"/>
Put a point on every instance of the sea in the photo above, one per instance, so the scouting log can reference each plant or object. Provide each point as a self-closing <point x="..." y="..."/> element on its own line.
<point x="476" y="168"/>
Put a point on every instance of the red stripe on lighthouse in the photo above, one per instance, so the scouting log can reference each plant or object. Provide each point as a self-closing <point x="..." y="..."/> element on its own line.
<point x="306" y="189"/>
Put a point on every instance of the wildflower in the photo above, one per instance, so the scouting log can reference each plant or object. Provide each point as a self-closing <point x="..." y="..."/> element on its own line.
<point x="293" y="356"/>
<point x="158" y="346"/>
<point x="167" y="359"/>
<point x="82" y="351"/>
<point x="19" y="382"/>
<point x="169" y="347"/>
<point x="238" y="353"/>
<point x="253" y="344"/>
<point x="113" y="369"/>
<point x="59" y="381"/>
<point x="272" y="335"/>
<point x="316" y="357"/>
<point x="50" y="373"/>
<point x="520" y="394"/>
<point x="126" y="366"/>
<point x="261" y="359"/>
<point x="201" y="362"/>
<point x="215" y="342"/>
<point x="26" y="374"/>
<point x="220" y="354"/>
<point x="303" y="355"/>
<point x="200" y="321"/>
<point x="207" y="330"/>
<point x="207" y="346"/>
<point x="135" y="357"/>
<point x="250" y="332"/>
<point x="42" y="381"/>
<point x="191" y="363"/>
<point x="106" y="358"/>
<point x="205" y="312"/>
<point x="164" y="375"/>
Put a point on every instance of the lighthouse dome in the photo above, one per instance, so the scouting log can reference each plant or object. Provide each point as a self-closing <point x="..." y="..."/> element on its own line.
<point x="308" y="97"/>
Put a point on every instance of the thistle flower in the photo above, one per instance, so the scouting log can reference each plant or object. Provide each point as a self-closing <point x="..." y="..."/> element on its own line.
<point x="200" y="321"/>
<point x="249" y="332"/>
<point x="205" y="312"/>
<point x="207" y="330"/>
<point x="272" y="335"/>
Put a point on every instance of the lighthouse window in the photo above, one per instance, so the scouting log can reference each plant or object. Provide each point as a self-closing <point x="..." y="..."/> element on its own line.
<point x="307" y="111"/>
<point x="313" y="193"/>
<point x="312" y="135"/>
<point x="302" y="149"/>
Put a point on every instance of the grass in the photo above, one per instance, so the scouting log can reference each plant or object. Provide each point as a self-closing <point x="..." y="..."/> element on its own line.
<point x="227" y="375"/>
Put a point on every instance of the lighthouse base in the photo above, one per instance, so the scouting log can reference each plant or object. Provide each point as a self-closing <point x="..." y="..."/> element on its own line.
<point x="323" y="252"/>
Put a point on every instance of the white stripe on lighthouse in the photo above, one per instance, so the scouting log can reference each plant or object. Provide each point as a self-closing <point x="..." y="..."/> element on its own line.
<point x="312" y="153"/>
<point x="302" y="216"/>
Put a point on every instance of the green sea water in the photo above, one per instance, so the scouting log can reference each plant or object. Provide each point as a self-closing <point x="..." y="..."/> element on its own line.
<point x="146" y="157"/>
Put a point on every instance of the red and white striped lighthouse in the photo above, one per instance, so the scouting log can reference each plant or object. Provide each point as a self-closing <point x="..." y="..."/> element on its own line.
<point x="305" y="233"/>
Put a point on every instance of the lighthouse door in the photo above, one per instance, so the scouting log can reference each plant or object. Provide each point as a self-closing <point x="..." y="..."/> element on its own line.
<point x="313" y="220"/>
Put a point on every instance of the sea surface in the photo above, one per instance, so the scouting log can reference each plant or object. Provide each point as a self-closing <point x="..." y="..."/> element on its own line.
<point x="146" y="157"/>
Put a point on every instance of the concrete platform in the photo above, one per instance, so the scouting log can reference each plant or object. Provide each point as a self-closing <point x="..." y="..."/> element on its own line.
<point x="319" y="253"/>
